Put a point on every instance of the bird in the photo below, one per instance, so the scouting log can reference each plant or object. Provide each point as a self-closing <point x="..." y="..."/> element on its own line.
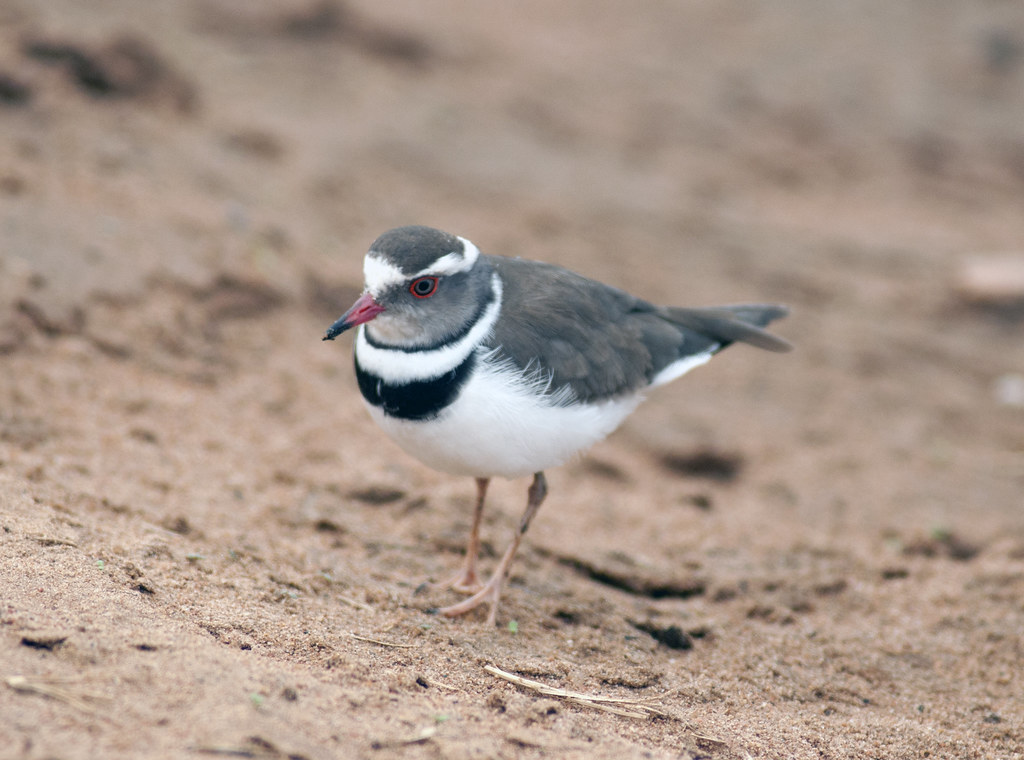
<point x="486" y="366"/>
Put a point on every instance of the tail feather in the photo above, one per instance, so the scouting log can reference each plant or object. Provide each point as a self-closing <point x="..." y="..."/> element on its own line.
<point x="728" y="324"/>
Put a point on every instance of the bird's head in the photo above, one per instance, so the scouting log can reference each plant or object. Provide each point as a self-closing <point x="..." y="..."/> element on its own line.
<point x="421" y="286"/>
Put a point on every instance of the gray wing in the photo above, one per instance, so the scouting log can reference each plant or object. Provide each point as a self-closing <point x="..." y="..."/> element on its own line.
<point x="728" y="324"/>
<point x="601" y="341"/>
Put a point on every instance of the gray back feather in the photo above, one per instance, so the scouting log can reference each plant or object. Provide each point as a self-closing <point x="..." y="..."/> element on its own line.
<point x="599" y="340"/>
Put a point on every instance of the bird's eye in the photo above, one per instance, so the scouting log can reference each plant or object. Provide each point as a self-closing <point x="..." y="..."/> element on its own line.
<point x="423" y="287"/>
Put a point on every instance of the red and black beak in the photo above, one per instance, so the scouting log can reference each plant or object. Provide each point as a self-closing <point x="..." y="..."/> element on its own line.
<point x="363" y="310"/>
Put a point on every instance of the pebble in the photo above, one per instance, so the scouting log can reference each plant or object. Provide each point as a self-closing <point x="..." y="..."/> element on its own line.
<point x="992" y="279"/>
<point x="1009" y="390"/>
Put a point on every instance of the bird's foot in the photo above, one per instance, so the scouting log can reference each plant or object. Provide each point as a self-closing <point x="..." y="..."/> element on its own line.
<point x="489" y="593"/>
<point x="466" y="581"/>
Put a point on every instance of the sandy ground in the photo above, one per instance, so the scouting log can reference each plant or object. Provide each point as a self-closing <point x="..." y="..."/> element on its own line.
<point x="206" y="547"/>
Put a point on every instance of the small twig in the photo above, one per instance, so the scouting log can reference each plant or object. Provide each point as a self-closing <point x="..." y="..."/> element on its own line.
<point x="254" y="747"/>
<point x="352" y="602"/>
<point x="381" y="643"/>
<point x="630" y="708"/>
<point x="49" y="688"/>
<point x="53" y="541"/>
<point x="607" y="708"/>
<point x="424" y="735"/>
<point x="712" y="741"/>
<point x="226" y="751"/>
<point x="445" y="686"/>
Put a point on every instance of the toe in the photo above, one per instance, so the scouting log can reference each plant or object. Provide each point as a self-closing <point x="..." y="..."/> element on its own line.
<point x="466" y="585"/>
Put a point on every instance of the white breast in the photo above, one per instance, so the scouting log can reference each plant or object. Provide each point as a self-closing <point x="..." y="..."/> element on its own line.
<point x="499" y="426"/>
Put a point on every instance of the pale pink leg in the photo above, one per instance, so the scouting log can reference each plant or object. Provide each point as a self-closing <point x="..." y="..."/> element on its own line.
<point x="490" y="593"/>
<point x="467" y="580"/>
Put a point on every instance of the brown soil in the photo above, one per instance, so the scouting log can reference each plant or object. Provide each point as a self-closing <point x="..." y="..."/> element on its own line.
<point x="206" y="547"/>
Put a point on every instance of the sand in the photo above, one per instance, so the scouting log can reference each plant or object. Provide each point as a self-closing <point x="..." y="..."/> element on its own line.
<point x="208" y="550"/>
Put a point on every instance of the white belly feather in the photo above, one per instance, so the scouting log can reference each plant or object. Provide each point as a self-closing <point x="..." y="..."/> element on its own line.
<point x="499" y="426"/>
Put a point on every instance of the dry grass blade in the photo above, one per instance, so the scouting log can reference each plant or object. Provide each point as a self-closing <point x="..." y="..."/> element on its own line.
<point x="254" y="747"/>
<point x="51" y="688"/>
<point x="226" y="751"/>
<point x="352" y="602"/>
<point x="380" y="643"/>
<point x="52" y="541"/>
<point x="423" y="736"/>
<point x="607" y="708"/>
<point x="627" y="708"/>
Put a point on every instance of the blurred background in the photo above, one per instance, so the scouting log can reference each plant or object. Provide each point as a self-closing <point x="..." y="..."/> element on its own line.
<point x="187" y="190"/>
<point x="862" y="162"/>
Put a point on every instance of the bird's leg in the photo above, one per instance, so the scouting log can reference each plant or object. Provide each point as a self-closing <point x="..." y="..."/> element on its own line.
<point x="467" y="580"/>
<point x="490" y="593"/>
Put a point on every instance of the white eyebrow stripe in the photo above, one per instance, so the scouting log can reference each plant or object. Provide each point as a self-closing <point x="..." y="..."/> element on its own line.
<point x="451" y="263"/>
<point x="454" y="262"/>
<point x="469" y="252"/>
<point x="379" y="274"/>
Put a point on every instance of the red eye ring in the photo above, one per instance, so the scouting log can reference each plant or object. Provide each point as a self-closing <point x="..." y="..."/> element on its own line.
<point x="423" y="287"/>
